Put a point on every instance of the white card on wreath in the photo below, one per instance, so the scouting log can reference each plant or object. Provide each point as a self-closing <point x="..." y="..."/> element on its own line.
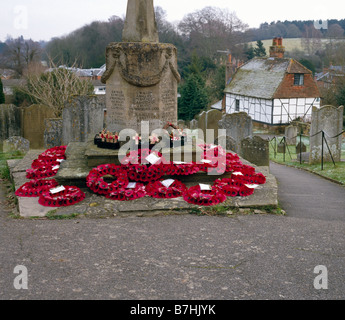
<point x="153" y="159"/>
<point x="252" y="186"/>
<point x="131" y="185"/>
<point x="167" y="183"/>
<point x="205" y="187"/>
<point x="57" y="190"/>
<point x="57" y="167"/>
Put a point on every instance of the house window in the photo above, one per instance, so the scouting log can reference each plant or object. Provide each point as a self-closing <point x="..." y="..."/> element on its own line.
<point x="237" y="107"/>
<point x="299" y="79"/>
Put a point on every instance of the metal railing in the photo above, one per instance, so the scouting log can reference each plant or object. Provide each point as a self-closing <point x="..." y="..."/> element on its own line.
<point x="283" y="141"/>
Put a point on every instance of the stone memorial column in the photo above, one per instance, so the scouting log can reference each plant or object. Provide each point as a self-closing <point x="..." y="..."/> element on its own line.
<point x="141" y="76"/>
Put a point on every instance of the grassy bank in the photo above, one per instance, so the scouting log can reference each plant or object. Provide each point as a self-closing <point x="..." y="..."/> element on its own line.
<point x="336" y="173"/>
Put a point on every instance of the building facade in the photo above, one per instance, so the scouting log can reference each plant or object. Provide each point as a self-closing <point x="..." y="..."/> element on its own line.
<point x="273" y="90"/>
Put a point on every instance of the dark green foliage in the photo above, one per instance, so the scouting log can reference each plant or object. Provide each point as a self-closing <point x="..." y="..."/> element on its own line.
<point x="2" y="95"/>
<point x="308" y="64"/>
<point x="249" y="52"/>
<point x="193" y="97"/>
<point x="218" y="83"/>
<point x="259" y="50"/>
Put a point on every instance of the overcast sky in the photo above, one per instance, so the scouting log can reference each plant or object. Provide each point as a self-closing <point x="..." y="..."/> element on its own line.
<point x="44" y="19"/>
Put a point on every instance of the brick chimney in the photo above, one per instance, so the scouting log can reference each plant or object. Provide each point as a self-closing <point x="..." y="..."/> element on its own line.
<point x="277" y="49"/>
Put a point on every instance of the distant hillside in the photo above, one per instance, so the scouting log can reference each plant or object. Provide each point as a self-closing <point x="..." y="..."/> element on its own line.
<point x="290" y="44"/>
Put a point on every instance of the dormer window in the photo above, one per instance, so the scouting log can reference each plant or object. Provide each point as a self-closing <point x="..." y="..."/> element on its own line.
<point x="299" y="79"/>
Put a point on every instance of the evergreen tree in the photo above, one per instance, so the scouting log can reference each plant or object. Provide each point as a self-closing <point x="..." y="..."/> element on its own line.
<point x="193" y="97"/>
<point x="260" y="50"/>
<point x="249" y="52"/>
<point x="2" y="95"/>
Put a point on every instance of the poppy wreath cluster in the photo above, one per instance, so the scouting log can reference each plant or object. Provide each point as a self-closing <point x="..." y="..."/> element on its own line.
<point x="95" y="180"/>
<point x="139" y="169"/>
<point x="124" y="193"/>
<point x="67" y="197"/>
<point x="194" y="195"/>
<point x="46" y="166"/>
<point x="35" y="188"/>
<point x="173" y="169"/>
<point x="233" y="187"/>
<point x="158" y="190"/>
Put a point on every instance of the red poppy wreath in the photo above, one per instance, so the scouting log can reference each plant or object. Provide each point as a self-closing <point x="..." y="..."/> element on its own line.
<point x="67" y="197"/>
<point x="195" y="195"/>
<point x="167" y="189"/>
<point x="35" y="188"/>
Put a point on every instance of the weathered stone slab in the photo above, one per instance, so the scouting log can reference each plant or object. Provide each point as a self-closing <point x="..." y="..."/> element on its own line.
<point x="291" y="135"/>
<point x="10" y="122"/>
<point x="16" y="144"/>
<point x="238" y="126"/>
<point x="82" y="116"/>
<point x="53" y="133"/>
<point x="256" y="151"/>
<point x="194" y="124"/>
<point x="330" y="120"/>
<point x="33" y="124"/>
<point x="212" y="122"/>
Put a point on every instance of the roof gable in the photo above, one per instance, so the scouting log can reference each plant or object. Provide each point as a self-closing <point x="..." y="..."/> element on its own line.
<point x="259" y="77"/>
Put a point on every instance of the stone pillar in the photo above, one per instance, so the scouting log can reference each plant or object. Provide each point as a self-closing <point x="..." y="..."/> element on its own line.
<point x="140" y="23"/>
<point x="330" y="120"/>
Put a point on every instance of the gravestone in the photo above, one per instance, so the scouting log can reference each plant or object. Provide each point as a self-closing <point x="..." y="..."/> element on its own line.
<point x="256" y="151"/>
<point x="82" y="116"/>
<point x="16" y="144"/>
<point x="181" y="124"/>
<point x="141" y="75"/>
<point x="238" y="126"/>
<point x="53" y="133"/>
<point x="202" y="122"/>
<point x="301" y="147"/>
<point x="194" y="124"/>
<point x="330" y="120"/>
<point x="212" y="120"/>
<point x="33" y="124"/>
<point x="10" y="122"/>
<point x="291" y="135"/>
<point x="281" y="148"/>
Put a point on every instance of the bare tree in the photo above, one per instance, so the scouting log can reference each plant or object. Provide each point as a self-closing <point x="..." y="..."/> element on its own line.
<point x="20" y="53"/>
<point x="55" y="87"/>
<point x="210" y="29"/>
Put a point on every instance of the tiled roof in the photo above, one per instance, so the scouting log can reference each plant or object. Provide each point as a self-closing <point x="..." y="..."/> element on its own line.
<point x="261" y="77"/>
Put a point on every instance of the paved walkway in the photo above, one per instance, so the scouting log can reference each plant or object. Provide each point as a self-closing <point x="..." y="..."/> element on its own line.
<point x="185" y="257"/>
<point x="305" y="195"/>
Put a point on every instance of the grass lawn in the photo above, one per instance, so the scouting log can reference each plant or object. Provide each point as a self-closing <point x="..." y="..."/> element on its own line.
<point x="336" y="172"/>
<point x="4" y="170"/>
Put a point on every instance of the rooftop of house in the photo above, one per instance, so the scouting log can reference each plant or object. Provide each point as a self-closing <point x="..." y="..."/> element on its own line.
<point x="261" y="77"/>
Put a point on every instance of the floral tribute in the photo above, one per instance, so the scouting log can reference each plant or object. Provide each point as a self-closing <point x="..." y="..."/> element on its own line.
<point x="46" y="166"/>
<point x="159" y="190"/>
<point x="140" y="174"/>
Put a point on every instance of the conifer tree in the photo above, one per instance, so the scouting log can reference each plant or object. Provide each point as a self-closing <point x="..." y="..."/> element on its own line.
<point x="2" y="95"/>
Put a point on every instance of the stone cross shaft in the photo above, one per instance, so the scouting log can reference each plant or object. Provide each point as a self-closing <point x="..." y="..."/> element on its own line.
<point x="140" y="24"/>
